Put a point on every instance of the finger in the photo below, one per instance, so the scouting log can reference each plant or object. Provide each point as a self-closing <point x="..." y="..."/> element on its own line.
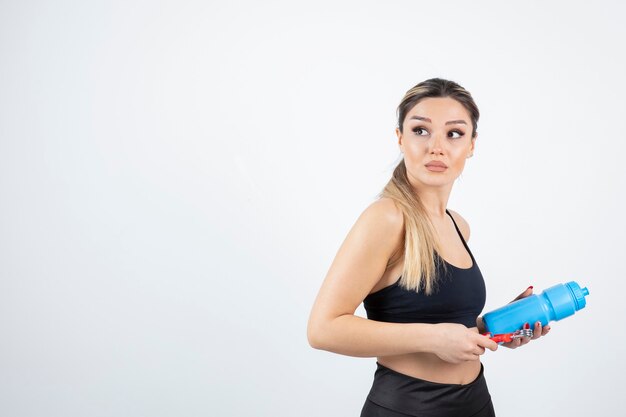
<point x="527" y="292"/>
<point x="537" y="331"/>
<point x="479" y="350"/>
<point x="488" y="344"/>
<point x="515" y="343"/>
<point x="484" y="341"/>
<point x="546" y="329"/>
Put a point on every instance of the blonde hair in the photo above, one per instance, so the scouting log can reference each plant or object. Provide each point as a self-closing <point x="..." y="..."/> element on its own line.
<point x="420" y="244"/>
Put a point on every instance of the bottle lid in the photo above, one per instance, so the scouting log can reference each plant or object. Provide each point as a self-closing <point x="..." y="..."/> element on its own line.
<point x="578" y="294"/>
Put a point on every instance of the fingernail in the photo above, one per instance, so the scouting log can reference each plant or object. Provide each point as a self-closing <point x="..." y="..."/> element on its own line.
<point x="538" y="323"/>
<point x="530" y="288"/>
<point x="527" y="326"/>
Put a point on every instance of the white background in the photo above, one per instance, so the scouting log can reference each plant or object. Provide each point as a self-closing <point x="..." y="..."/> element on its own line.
<point x="176" y="177"/>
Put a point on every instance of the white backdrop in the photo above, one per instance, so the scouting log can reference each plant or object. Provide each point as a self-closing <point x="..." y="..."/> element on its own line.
<point x="177" y="176"/>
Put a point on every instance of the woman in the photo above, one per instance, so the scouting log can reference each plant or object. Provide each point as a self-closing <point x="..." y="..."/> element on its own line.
<point x="406" y="258"/>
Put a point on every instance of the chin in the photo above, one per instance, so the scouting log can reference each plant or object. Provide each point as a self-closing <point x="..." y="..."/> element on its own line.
<point x="438" y="183"/>
<point x="435" y="182"/>
<point x="434" y="179"/>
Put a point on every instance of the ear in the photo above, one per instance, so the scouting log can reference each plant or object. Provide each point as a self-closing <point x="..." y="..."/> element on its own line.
<point x="399" y="135"/>
<point x="472" y="145"/>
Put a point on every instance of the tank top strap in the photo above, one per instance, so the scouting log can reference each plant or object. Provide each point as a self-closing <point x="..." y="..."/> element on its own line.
<point x="461" y="236"/>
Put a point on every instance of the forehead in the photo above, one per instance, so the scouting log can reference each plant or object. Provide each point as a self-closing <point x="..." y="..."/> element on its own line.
<point x="439" y="110"/>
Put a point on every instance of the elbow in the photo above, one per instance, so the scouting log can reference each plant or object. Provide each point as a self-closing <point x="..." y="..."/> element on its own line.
<point x="313" y="337"/>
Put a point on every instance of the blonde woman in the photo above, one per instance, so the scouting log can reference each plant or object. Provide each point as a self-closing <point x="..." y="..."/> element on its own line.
<point x="407" y="259"/>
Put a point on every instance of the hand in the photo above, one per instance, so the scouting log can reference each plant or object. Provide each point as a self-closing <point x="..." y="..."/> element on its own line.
<point x="538" y="329"/>
<point x="455" y="343"/>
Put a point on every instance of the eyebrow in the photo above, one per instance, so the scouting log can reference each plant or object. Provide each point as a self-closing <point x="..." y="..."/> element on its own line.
<point x="426" y="119"/>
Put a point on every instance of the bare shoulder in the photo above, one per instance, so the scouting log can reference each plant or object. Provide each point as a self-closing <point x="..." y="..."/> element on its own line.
<point x="381" y="224"/>
<point x="462" y="223"/>
<point x="361" y="260"/>
<point x="386" y="213"/>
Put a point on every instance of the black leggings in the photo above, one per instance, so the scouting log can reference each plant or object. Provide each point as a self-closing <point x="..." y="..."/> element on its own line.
<point x="398" y="395"/>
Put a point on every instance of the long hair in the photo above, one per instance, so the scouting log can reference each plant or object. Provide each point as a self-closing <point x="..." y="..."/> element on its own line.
<point x="420" y="244"/>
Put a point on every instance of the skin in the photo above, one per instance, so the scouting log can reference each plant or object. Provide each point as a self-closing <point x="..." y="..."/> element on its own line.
<point x="371" y="258"/>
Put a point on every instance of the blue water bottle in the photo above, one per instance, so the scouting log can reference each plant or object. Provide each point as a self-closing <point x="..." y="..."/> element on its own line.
<point x="554" y="303"/>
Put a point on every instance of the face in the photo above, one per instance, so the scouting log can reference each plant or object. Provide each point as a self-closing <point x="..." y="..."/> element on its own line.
<point x="436" y="131"/>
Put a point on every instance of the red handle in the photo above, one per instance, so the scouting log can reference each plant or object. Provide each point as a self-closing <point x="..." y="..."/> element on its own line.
<point x="500" y="338"/>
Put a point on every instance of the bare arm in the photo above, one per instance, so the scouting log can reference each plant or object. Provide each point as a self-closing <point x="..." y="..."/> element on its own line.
<point x="358" y="266"/>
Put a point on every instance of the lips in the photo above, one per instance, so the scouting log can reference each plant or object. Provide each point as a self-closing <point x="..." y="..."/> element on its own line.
<point x="437" y="164"/>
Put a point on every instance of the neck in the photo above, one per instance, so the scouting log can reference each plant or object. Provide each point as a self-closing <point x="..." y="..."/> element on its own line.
<point x="434" y="200"/>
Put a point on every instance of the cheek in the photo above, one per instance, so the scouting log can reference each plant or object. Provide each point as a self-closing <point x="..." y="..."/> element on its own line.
<point x="461" y="164"/>
<point x="418" y="147"/>
<point x="459" y="157"/>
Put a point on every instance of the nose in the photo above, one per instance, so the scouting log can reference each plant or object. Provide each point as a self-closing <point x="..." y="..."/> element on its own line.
<point x="436" y="145"/>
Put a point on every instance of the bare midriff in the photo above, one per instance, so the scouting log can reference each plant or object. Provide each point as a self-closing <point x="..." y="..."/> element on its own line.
<point x="430" y="367"/>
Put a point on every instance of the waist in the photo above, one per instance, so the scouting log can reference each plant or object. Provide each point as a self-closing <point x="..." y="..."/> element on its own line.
<point x="430" y="368"/>
<point x="416" y="396"/>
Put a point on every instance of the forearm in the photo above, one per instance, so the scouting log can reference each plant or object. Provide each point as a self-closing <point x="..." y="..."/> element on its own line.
<point x="356" y="336"/>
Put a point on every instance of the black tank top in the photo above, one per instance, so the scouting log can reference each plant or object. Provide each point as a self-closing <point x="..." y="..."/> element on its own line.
<point x="458" y="296"/>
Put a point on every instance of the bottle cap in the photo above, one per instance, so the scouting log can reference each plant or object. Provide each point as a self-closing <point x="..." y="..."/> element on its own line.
<point x="578" y="294"/>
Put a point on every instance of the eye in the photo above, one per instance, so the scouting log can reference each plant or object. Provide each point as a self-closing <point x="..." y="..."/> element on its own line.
<point x="418" y="130"/>
<point x="458" y="132"/>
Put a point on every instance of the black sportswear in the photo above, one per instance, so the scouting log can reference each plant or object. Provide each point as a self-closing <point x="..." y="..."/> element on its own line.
<point x="458" y="297"/>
